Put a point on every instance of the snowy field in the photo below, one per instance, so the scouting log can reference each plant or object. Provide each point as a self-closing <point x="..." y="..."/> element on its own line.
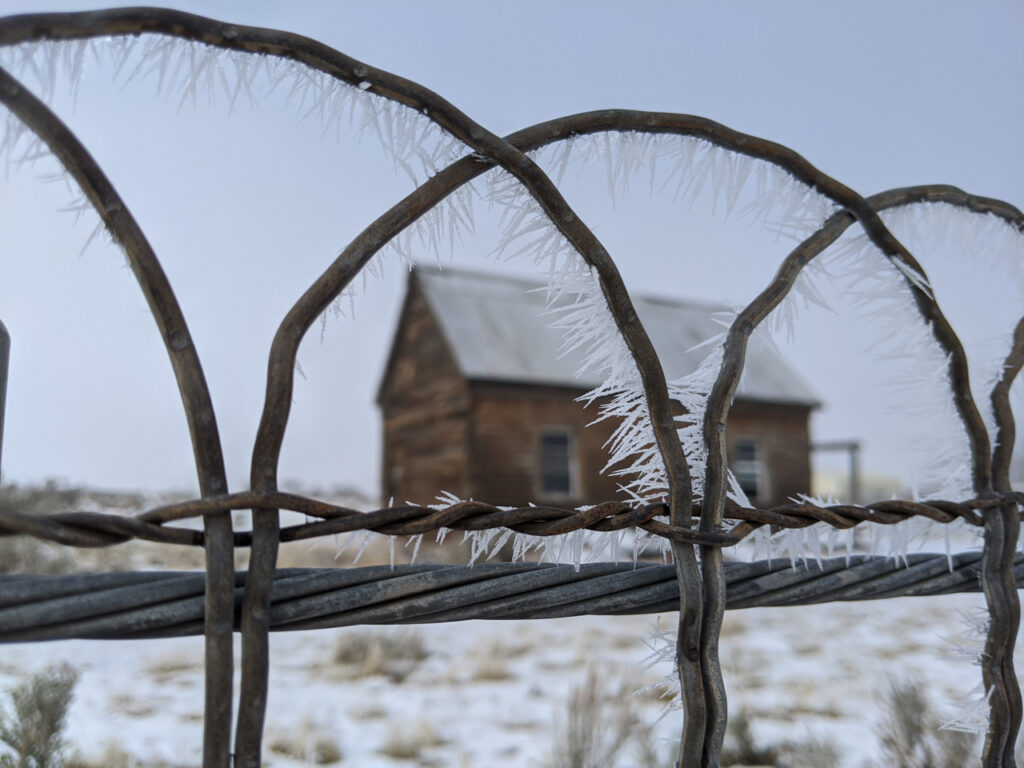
<point x="498" y="693"/>
<point x="488" y="694"/>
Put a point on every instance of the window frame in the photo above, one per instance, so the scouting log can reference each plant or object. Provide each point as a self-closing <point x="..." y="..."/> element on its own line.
<point x="572" y="468"/>
<point x="755" y="466"/>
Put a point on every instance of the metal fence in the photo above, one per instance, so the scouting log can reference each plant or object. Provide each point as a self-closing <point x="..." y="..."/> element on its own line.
<point x="700" y="584"/>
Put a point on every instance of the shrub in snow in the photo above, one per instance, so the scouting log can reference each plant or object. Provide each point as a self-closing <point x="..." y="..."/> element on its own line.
<point x="33" y="727"/>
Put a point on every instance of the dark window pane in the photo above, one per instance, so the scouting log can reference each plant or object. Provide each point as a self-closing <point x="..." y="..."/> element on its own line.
<point x="746" y="468"/>
<point x="554" y="441"/>
<point x="555" y="483"/>
<point x="555" y="455"/>
<point x="746" y="451"/>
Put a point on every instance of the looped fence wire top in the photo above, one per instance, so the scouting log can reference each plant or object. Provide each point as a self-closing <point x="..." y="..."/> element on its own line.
<point x="263" y="597"/>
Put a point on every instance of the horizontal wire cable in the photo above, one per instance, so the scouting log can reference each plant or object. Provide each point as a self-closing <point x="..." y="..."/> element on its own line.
<point x="170" y="604"/>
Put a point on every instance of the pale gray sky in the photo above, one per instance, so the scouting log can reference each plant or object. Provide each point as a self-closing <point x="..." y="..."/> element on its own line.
<point x="245" y="208"/>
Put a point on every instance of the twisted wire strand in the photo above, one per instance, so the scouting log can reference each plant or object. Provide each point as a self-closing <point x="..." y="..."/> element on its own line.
<point x="95" y="529"/>
<point x="136" y="605"/>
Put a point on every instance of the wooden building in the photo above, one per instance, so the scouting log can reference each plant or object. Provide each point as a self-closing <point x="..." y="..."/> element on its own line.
<point x="477" y="400"/>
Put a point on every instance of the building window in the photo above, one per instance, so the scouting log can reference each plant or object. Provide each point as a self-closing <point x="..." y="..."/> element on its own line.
<point x="747" y="469"/>
<point x="556" y="450"/>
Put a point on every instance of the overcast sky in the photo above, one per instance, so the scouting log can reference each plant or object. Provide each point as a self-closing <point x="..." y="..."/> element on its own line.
<point x="246" y="207"/>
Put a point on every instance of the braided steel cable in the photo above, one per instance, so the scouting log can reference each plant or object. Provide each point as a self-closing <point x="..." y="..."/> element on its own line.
<point x="170" y="604"/>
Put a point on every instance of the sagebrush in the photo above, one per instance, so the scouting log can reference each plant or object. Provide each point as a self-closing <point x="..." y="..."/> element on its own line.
<point x="32" y="727"/>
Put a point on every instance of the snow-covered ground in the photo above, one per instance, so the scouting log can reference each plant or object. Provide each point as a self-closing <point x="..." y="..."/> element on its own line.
<point x="492" y="693"/>
<point x="497" y="693"/>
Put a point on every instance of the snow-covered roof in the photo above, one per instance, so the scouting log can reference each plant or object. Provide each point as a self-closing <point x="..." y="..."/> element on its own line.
<point x="498" y="329"/>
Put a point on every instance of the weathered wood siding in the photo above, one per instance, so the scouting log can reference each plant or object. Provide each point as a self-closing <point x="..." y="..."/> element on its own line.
<point x="782" y="436"/>
<point x="424" y="403"/>
<point x="507" y="422"/>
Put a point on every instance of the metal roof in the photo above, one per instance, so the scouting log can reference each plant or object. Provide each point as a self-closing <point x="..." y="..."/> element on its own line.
<point x="497" y="327"/>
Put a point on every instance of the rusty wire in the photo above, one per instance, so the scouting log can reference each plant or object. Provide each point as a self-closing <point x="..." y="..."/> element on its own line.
<point x="701" y="589"/>
<point x="5" y="357"/>
<point x="95" y="529"/>
<point x="188" y="371"/>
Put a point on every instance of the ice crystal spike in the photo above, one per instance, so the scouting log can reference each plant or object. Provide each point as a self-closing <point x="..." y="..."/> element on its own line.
<point x="997" y="249"/>
<point x="868" y="290"/>
<point x="183" y="71"/>
<point x="662" y="647"/>
<point x="691" y="168"/>
<point x="367" y="538"/>
<point x="969" y="647"/>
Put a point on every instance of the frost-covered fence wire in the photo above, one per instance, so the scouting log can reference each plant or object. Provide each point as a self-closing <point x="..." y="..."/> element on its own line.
<point x="680" y="467"/>
<point x="96" y="529"/>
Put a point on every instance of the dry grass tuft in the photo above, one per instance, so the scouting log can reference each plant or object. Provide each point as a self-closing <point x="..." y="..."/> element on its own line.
<point x="409" y="744"/>
<point x="131" y="706"/>
<point x="490" y="669"/>
<point x="309" y="749"/>
<point x="368" y="713"/>
<point x="305" y="742"/>
<point x="113" y="756"/>
<point x="740" y="746"/>
<point x="911" y="734"/>
<point x="489" y="661"/>
<point x="171" y="665"/>
<point x="598" y="726"/>
<point x="741" y="749"/>
<point x="394" y="654"/>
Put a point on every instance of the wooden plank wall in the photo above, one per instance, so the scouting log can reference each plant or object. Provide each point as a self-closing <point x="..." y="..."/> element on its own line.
<point x="425" y="405"/>
<point x="507" y="421"/>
